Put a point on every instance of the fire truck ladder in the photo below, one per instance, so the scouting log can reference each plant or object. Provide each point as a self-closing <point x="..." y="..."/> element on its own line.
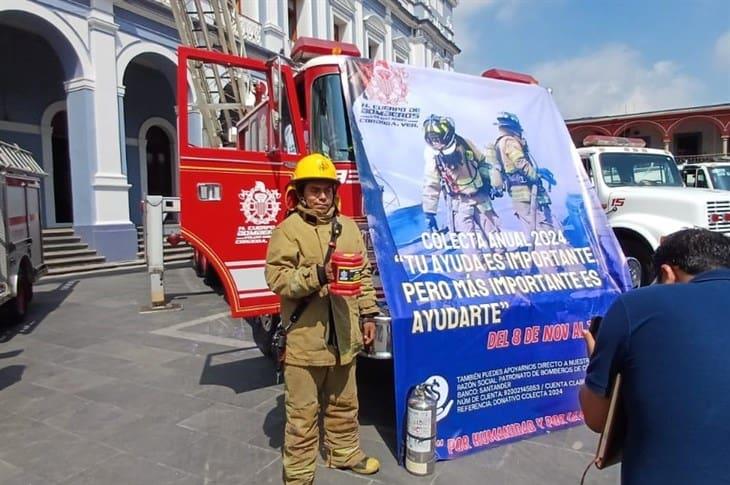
<point x="221" y="90"/>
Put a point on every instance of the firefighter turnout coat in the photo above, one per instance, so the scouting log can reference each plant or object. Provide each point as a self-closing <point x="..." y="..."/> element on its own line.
<point x="297" y="247"/>
<point x="461" y="170"/>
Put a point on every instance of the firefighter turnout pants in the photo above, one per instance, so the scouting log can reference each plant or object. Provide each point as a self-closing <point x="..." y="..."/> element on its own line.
<point x="544" y="219"/>
<point x="471" y="216"/>
<point x="306" y="390"/>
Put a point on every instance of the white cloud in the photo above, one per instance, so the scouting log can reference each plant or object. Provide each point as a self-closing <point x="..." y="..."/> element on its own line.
<point x="466" y="36"/>
<point x="722" y="51"/>
<point x="616" y="80"/>
<point x="470" y="17"/>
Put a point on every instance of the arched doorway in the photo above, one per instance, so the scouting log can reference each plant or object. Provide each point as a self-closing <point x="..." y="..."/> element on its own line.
<point x="158" y="150"/>
<point x="61" y="163"/>
<point x="32" y="100"/>
<point x="652" y="133"/>
<point x="149" y="117"/>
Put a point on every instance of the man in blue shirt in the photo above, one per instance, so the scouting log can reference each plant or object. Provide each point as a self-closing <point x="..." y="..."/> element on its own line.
<point x="671" y="344"/>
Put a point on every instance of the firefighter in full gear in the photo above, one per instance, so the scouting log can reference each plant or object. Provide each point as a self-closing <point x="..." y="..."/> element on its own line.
<point x="522" y="178"/>
<point x="322" y="345"/>
<point x="455" y="166"/>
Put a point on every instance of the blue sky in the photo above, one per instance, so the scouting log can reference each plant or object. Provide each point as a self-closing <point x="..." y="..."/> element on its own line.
<point x="604" y="57"/>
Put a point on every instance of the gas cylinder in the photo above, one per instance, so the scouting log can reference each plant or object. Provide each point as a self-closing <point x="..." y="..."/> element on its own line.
<point x="347" y="269"/>
<point x="421" y="432"/>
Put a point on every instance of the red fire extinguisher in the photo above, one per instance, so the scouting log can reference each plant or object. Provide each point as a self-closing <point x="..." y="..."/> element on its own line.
<point x="347" y="269"/>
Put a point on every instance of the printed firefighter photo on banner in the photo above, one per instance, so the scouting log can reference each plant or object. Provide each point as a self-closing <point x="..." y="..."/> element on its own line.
<point x="493" y="254"/>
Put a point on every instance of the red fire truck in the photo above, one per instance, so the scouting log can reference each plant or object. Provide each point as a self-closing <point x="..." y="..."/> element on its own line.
<point x="232" y="196"/>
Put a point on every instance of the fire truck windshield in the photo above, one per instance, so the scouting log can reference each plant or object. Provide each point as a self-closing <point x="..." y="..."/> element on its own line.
<point x="330" y="128"/>
<point x="627" y="168"/>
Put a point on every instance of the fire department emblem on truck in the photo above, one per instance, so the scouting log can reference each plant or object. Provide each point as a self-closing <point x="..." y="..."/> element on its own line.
<point x="259" y="207"/>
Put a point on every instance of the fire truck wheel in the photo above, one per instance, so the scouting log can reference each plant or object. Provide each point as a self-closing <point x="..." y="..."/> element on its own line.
<point x="198" y="263"/>
<point x="263" y="328"/>
<point x="30" y="285"/>
<point x="642" y="252"/>
<point x="19" y="304"/>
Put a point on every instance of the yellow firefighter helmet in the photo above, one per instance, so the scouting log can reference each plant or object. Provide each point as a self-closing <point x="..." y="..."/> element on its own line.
<point x="314" y="167"/>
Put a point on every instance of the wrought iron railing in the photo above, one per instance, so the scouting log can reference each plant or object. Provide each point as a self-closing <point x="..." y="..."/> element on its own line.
<point x="704" y="157"/>
<point x="250" y="27"/>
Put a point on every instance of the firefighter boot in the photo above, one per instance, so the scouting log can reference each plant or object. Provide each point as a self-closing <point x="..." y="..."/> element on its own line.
<point x="367" y="466"/>
<point x="301" y="435"/>
<point x="341" y="427"/>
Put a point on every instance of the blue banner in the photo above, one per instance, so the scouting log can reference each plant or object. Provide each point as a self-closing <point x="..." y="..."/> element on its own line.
<point x="492" y="249"/>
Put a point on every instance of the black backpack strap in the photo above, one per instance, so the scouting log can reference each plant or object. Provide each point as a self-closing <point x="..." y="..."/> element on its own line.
<point x="336" y="231"/>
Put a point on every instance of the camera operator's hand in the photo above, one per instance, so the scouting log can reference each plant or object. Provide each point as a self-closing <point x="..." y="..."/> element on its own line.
<point x="590" y="342"/>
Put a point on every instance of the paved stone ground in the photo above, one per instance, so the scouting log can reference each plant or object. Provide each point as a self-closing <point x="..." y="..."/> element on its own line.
<point x="92" y="392"/>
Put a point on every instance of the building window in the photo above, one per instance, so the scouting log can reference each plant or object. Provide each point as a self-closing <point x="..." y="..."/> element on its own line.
<point x="293" y="9"/>
<point x="337" y="32"/>
<point x="340" y="29"/>
<point x="374" y="49"/>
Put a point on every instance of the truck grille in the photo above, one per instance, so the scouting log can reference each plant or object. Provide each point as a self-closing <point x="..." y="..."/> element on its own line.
<point x="718" y="216"/>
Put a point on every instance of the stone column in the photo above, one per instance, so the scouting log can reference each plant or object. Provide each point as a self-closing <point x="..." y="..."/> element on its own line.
<point x="725" y="139"/>
<point x="305" y="24"/>
<point x="122" y="128"/>
<point x="101" y="205"/>
<point x="359" y="30"/>
<point x="81" y="148"/>
<point x="666" y="142"/>
<point x="273" y="25"/>
<point x="321" y="25"/>
<point x="418" y="52"/>
<point x="388" y="48"/>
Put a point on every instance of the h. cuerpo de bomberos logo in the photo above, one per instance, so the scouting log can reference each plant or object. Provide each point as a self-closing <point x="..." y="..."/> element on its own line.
<point x="386" y="84"/>
<point x="260" y="205"/>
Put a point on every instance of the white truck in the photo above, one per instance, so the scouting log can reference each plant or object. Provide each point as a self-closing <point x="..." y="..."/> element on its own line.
<point x="645" y="198"/>
<point x="709" y="175"/>
<point x="21" y="252"/>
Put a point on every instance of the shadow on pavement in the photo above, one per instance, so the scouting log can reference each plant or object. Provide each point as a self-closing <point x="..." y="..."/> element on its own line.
<point x="13" y="373"/>
<point x="41" y="306"/>
<point x="245" y="375"/>
<point x="274" y="424"/>
<point x="10" y="375"/>
<point x="187" y="294"/>
<point x="375" y="391"/>
<point x="241" y="375"/>
<point x="377" y="398"/>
